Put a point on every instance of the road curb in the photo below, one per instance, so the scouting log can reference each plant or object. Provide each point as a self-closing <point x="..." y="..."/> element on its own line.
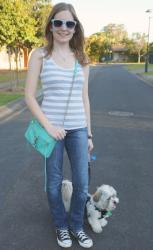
<point x="144" y="79"/>
<point x="15" y="107"/>
<point x="141" y="77"/>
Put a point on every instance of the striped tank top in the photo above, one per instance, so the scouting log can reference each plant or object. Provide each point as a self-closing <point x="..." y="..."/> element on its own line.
<point x="56" y="84"/>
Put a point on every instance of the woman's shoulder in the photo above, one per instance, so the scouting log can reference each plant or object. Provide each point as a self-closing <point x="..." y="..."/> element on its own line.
<point x="86" y="68"/>
<point x="38" y="53"/>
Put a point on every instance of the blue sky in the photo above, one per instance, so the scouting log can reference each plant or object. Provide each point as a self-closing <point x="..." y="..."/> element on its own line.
<point x="94" y="14"/>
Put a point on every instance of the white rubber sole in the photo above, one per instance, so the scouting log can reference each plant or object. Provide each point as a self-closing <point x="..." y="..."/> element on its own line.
<point x="85" y="246"/>
<point x="61" y="244"/>
<point x="82" y="244"/>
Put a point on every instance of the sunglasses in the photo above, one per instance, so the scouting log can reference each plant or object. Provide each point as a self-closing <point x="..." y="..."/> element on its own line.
<point x="59" y="23"/>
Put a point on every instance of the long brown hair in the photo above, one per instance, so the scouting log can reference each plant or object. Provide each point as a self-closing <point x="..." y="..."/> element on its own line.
<point x="76" y="43"/>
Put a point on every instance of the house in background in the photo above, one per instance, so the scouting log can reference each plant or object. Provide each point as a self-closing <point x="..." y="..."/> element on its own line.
<point x="22" y="60"/>
<point x="119" y="53"/>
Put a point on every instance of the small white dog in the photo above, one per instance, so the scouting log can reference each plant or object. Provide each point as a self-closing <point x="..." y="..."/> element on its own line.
<point x="99" y="205"/>
<point x="67" y="190"/>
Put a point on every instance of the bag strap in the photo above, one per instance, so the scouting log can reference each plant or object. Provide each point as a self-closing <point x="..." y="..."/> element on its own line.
<point x="45" y="175"/>
<point x="66" y="109"/>
<point x="71" y="88"/>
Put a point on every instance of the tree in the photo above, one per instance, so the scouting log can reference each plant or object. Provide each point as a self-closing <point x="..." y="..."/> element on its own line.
<point x="94" y="46"/>
<point x="140" y="45"/>
<point x="21" y="25"/>
<point x="115" y="33"/>
<point x="17" y="27"/>
<point x="151" y="47"/>
<point x="40" y="12"/>
<point x="22" y="22"/>
<point x="99" y="45"/>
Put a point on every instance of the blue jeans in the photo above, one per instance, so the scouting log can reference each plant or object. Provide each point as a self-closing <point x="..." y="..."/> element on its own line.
<point x="76" y="144"/>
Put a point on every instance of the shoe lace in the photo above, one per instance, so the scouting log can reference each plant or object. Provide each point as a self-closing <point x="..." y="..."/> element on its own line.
<point x="64" y="234"/>
<point x="82" y="235"/>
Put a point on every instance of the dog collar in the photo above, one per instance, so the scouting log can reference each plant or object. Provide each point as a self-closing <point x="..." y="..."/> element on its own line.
<point x="103" y="212"/>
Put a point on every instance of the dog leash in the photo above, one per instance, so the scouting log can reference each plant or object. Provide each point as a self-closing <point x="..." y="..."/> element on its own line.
<point x="91" y="158"/>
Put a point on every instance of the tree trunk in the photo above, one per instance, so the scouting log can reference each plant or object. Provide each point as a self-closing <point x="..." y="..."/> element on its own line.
<point x="9" y="52"/>
<point x="17" y="68"/>
<point x="10" y="70"/>
<point x="139" y="57"/>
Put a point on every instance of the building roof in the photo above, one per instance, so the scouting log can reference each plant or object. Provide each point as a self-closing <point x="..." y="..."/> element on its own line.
<point x="119" y="48"/>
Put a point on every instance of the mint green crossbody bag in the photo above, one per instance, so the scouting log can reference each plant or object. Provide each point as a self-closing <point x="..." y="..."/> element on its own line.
<point x="38" y="137"/>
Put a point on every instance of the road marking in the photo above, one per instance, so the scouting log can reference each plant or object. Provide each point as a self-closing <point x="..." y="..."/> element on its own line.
<point x="120" y="113"/>
<point x="138" y="122"/>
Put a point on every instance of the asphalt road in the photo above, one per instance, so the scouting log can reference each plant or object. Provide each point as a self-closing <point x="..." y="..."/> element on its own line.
<point x="122" y="122"/>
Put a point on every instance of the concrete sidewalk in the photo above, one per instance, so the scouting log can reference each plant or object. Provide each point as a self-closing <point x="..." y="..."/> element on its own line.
<point x="148" y="79"/>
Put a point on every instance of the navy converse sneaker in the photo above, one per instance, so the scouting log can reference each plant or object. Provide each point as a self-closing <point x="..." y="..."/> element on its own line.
<point x="63" y="238"/>
<point x="83" y="239"/>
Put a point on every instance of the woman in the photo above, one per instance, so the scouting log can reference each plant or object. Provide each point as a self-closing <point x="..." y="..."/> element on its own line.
<point x="55" y="64"/>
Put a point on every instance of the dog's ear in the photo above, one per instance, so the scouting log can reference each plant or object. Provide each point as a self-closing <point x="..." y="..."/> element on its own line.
<point x="97" y="195"/>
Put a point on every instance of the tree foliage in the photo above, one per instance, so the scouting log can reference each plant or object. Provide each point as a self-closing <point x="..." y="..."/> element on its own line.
<point x="115" y="33"/>
<point x="22" y="25"/>
<point x="151" y="48"/>
<point x="17" y="26"/>
<point x="137" y="46"/>
<point x="22" y="22"/>
<point x="94" y="46"/>
<point x="41" y="10"/>
<point x="140" y="44"/>
<point x="99" y="45"/>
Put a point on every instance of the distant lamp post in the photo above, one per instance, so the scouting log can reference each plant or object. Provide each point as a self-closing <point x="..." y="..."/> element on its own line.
<point x="147" y="54"/>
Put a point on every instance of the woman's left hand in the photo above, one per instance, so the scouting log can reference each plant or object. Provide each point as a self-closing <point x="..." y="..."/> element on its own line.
<point x="90" y="145"/>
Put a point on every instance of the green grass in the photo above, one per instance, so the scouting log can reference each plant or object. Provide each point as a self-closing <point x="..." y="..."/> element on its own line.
<point x="147" y="73"/>
<point x="6" y="75"/>
<point x="135" y="66"/>
<point x="6" y="97"/>
<point x="139" y="66"/>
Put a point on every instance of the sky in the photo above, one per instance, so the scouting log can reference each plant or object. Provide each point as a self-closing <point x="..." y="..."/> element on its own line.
<point x="95" y="14"/>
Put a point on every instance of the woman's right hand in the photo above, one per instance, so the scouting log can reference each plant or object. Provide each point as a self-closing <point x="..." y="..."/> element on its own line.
<point x="57" y="132"/>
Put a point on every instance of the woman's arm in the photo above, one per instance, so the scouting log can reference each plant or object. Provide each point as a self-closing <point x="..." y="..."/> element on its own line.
<point x="34" y="69"/>
<point x="87" y="105"/>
